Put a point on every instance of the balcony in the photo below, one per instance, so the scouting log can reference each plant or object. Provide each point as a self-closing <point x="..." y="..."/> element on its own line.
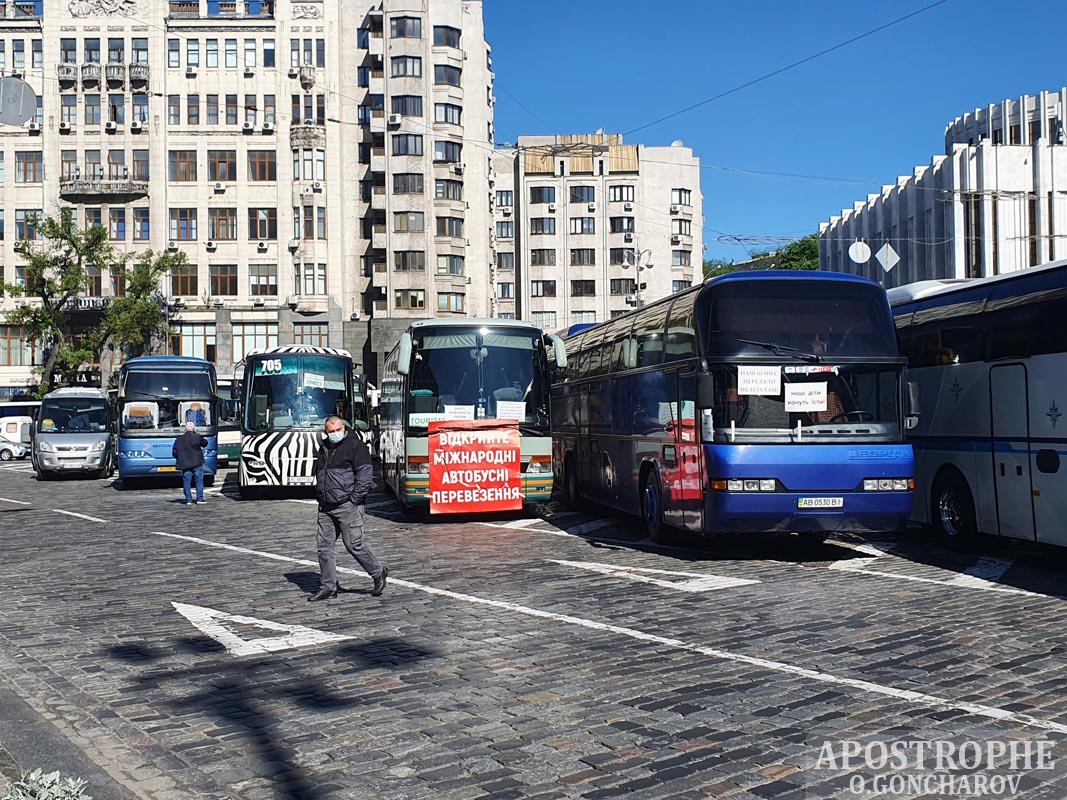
<point x="377" y="159"/>
<point x="90" y="73"/>
<point x="67" y="73"/>
<point x="307" y="77"/>
<point x="97" y="189"/>
<point x="139" y="73"/>
<point x="378" y="236"/>
<point x="184" y="9"/>
<point x="115" y="74"/>
<point x="308" y="133"/>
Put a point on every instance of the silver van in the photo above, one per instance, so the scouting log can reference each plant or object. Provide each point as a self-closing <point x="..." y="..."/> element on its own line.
<point x="73" y="433"/>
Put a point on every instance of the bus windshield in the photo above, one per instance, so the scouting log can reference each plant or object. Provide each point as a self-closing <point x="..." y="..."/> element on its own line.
<point x="803" y="317"/>
<point x="73" y="415"/>
<point x="289" y="391"/>
<point x="156" y="401"/>
<point x="478" y="373"/>
<point x="827" y="402"/>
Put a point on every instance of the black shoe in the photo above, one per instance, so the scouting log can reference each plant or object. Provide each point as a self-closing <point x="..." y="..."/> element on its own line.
<point x="379" y="583"/>
<point x="322" y="594"/>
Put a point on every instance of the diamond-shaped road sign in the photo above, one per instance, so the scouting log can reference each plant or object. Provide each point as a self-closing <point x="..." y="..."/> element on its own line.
<point x="887" y="257"/>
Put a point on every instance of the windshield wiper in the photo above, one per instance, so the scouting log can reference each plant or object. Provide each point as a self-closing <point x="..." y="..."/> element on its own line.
<point x="783" y="350"/>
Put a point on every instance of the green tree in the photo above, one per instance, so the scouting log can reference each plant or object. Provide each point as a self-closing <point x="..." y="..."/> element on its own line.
<point x="717" y="266"/>
<point x="135" y="320"/>
<point x="801" y="254"/>
<point x="56" y="266"/>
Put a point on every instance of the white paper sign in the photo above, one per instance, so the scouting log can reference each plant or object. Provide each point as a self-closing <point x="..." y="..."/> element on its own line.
<point x="314" y="381"/>
<point x="803" y="397"/>
<point x="765" y="381"/>
<point x="511" y="409"/>
<point x="423" y="420"/>
<point x="459" y="412"/>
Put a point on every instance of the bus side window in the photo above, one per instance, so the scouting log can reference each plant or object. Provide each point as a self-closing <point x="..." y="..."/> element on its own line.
<point x="681" y="337"/>
<point x="648" y="330"/>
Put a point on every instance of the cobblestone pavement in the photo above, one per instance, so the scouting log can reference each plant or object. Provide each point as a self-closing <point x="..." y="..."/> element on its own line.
<point x="549" y="656"/>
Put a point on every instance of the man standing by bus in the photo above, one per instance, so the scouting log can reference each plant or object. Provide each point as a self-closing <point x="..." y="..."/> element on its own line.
<point x="188" y="454"/>
<point x="344" y="476"/>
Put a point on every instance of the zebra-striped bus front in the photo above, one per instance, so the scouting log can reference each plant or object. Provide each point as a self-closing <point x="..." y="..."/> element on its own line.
<point x="281" y="458"/>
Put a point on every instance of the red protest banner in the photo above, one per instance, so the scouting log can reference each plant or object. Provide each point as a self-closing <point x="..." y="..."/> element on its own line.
<point x="474" y="466"/>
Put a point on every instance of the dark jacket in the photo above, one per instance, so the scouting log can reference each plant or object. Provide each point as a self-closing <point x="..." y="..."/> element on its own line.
<point x="343" y="472"/>
<point x="188" y="450"/>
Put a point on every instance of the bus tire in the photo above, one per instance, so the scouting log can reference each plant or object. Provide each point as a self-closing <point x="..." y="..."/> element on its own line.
<point x="953" y="510"/>
<point x="572" y="494"/>
<point x="652" y="508"/>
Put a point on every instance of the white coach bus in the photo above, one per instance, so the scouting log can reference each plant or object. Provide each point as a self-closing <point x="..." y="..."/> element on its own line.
<point x="990" y="359"/>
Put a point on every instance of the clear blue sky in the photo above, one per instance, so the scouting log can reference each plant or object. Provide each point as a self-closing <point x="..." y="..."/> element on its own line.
<point x="867" y="112"/>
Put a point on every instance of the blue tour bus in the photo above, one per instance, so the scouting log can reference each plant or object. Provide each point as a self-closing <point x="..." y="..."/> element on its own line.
<point x="757" y="401"/>
<point x="156" y="396"/>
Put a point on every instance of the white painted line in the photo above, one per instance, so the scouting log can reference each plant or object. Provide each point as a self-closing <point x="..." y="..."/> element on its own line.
<point x="985" y="573"/>
<point x="80" y="516"/>
<point x="918" y="698"/>
<point x="16" y="502"/>
<point x="210" y="621"/>
<point x="515" y="524"/>
<point x="297" y="500"/>
<point x="588" y="527"/>
<point x="699" y="581"/>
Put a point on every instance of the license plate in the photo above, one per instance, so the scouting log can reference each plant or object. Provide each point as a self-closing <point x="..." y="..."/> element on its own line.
<point x="820" y="502"/>
<point x="72" y="465"/>
<point x="301" y="481"/>
<point x="166" y="469"/>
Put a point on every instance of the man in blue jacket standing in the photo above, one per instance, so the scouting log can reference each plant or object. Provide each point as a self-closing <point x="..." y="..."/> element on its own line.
<point x="344" y="476"/>
<point x="188" y="453"/>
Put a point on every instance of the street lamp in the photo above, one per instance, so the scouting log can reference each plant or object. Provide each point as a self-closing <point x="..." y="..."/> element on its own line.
<point x="634" y="257"/>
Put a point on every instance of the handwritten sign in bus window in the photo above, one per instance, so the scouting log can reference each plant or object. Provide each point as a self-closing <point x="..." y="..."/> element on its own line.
<point x="475" y="465"/>
<point x="459" y="412"/>
<point x="766" y="381"/>
<point x="314" y="380"/>
<point x="511" y="409"/>
<point x="804" y="397"/>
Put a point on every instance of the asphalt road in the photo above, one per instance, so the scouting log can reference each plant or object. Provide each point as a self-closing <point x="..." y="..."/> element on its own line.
<point x="168" y="652"/>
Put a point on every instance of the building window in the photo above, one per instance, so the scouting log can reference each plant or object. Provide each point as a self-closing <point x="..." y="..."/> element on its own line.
<point x="543" y="258"/>
<point x="407" y="105"/>
<point x="183" y="224"/>
<point x="192" y="52"/>
<point x="231" y="54"/>
<point x="68" y="51"/>
<point x="223" y="279"/>
<point x="310" y="278"/>
<point x="406" y="67"/>
<point x="448" y="189"/>
<point x="405" y="28"/>
<point x="211" y="53"/>
<point x="677" y="286"/>
<point x="94" y="282"/>
<point x="409" y="261"/>
<point x="262" y="224"/>
<point x="505" y="229"/>
<point x="231" y="109"/>
<point x="93" y="218"/>
<point x="505" y="261"/>
<point x="544" y="319"/>
<point x="174" y="53"/>
<point x="408" y="183"/>
<point x="181" y="165"/>
<point x="68" y="111"/>
<point x="681" y="197"/>
<point x="451" y="227"/>
<point x="449" y="265"/>
<point x="15" y="349"/>
<point x="450" y="301"/>
<point x="582" y="225"/>
<point x="262" y="165"/>
<point x="621" y="286"/>
<point x="448" y="113"/>
<point x="620" y="255"/>
<point x="263" y="280"/>
<point x="409" y="222"/>
<point x="505" y="291"/>
<point x="681" y="258"/>
<point x="196" y="340"/>
<point x="183" y="281"/>
<point x="118" y="282"/>
<point x="141" y="225"/>
<point x="681" y="227"/>
<point x="583" y="288"/>
<point x="92" y="109"/>
<point x="505" y="199"/>
<point x="269" y="57"/>
<point x="140" y="108"/>
<point x="542" y="288"/>
<point x="192" y="108"/>
<point x="407" y="144"/>
<point x="621" y="194"/>
<point x="29" y="167"/>
<point x="542" y="226"/>
<point x="116" y="219"/>
<point x="583" y="257"/>
<point x="447" y="152"/>
<point x="409" y="298"/>
<point x="583" y="317"/>
<point x="583" y="194"/>
<point x="222" y="224"/>
<point x="314" y="334"/>
<point x="623" y="224"/>
<point x="253" y="335"/>
<point x="542" y="194"/>
<point x="26" y="223"/>
<point x="447" y="75"/>
<point x="444" y="36"/>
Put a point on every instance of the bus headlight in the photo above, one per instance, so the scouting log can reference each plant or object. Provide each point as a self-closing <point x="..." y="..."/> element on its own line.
<point x="745" y="485"/>
<point x="539" y="465"/>
<point x="888" y="484"/>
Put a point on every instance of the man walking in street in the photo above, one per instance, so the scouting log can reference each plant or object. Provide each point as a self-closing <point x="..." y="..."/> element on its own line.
<point x="344" y="477"/>
<point x="188" y="453"/>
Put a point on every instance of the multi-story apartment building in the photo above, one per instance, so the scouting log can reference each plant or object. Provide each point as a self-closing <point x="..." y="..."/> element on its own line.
<point x="575" y="216"/>
<point x="319" y="162"/>
<point x="993" y="203"/>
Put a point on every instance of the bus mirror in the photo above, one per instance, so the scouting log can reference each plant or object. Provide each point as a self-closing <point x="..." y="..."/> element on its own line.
<point x="559" y="351"/>
<point x="913" y="408"/>
<point x="360" y="425"/>
<point x="403" y="357"/>
<point x="705" y="391"/>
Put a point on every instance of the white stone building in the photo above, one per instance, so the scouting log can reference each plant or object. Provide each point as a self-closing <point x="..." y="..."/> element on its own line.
<point x="318" y="161"/>
<point x="995" y="202"/>
<point x="572" y="215"/>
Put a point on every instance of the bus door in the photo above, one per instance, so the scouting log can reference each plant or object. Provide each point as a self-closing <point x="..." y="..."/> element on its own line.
<point x="690" y="455"/>
<point x="1008" y="408"/>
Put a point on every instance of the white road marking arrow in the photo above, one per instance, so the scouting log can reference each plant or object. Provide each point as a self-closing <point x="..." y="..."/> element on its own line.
<point x="212" y="622"/>
<point x="698" y="581"/>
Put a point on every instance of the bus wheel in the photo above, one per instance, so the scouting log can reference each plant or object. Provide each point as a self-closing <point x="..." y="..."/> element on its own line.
<point x="652" y="509"/>
<point x="953" y="511"/>
<point x="571" y="495"/>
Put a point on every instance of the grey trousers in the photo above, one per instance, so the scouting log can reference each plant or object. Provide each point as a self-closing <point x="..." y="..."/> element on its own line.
<point x="346" y="522"/>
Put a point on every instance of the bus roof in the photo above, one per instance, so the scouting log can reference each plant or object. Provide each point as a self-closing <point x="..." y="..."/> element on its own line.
<point x="167" y="361"/>
<point x="788" y="274"/>
<point x="467" y="322"/>
<point x="77" y="391"/>
<point x="902" y="295"/>
<point x="298" y="349"/>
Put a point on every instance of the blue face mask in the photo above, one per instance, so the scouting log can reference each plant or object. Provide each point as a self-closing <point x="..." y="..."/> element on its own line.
<point x="335" y="436"/>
